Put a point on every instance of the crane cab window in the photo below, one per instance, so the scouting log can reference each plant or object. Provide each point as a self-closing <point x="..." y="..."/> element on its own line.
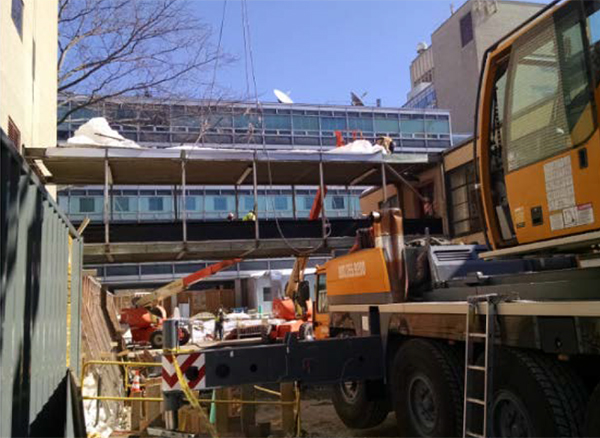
<point x="322" y="302"/>
<point x="549" y="101"/>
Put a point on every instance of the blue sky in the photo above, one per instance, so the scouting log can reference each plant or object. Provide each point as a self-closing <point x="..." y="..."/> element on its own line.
<point x="320" y="50"/>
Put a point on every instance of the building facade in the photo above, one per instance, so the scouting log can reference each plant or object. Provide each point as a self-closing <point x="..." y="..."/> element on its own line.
<point x="153" y="123"/>
<point x="28" y="71"/>
<point x="456" y="53"/>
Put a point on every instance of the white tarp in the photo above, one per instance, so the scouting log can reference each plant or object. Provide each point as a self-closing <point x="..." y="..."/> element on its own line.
<point x="358" y="147"/>
<point x="97" y="132"/>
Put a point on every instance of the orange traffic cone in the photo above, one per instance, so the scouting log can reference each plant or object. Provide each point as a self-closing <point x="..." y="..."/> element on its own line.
<point x="135" y="385"/>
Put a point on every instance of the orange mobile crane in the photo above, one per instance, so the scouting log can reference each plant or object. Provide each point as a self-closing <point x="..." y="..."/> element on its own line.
<point x="146" y="317"/>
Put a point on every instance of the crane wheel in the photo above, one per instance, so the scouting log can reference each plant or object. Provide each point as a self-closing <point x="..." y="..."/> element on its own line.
<point x="357" y="407"/>
<point x="156" y="339"/>
<point x="360" y="405"/>
<point x="534" y="395"/>
<point x="426" y="378"/>
<point x="592" y="423"/>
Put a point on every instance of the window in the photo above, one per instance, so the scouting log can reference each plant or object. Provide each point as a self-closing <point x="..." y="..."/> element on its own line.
<point x="87" y="205"/>
<point x="463" y="199"/>
<point x="333" y="123"/>
<point x="305" y="123"/>
<point x="122" y="204"/>
<point x="466" y="29"/>
<point x="220" y="203"/>
<point x="17" y="15"/>
<point x="278" y="122"/>
<point x="190" y="203"/>
<point x="386" y="125"/>
<point x="281" y="203"/>
<point x="248" y="203"/>
<point x="337" y="202"/>
<point x="14" y="134"/>
<point x="363" y="124"/>
<point x="155" y="204"/>
<point x="307" y="202"/>
<point x="548" y="94"/>
<point x="411" y="124"/>
<point x="322" y="302"/>
<point x="267" y="294"/>
<point x="157" y="268"/>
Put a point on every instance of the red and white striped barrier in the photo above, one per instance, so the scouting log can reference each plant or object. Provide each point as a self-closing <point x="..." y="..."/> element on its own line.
<point x="185" y="362"/>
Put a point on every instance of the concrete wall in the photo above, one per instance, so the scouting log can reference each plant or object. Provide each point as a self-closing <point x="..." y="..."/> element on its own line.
<point x="456" y="74"/>
<point x="28" y="94"/>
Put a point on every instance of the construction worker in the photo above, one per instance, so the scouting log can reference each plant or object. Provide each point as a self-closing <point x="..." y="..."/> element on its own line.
<point x="230" y="217"/>
<point x="219" y="320"/>
<point x="250" y="216"/>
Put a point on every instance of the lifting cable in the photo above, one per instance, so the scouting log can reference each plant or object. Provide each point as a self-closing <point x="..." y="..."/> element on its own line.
<point x="248" y="54"/>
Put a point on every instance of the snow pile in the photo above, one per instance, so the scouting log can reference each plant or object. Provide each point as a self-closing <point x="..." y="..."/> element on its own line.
<point x="98" y="422"/>
<point x="358" y="147"/>
<point x="97" y="132"/>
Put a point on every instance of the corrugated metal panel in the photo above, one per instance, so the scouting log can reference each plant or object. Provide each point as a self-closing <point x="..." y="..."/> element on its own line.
<point x="34" y="293"/>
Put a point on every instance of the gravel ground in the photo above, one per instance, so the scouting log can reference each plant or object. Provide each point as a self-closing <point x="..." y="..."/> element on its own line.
<point x="320" y="420"/>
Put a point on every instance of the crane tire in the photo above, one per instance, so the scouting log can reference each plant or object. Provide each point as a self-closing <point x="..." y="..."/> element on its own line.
<point x="592" y="422"/>
<point x="535" y="395"/>
<point x="356" y="408"/>
<point x="156" y="339"/>
<point x="426" y="378"/>
<point x="360" y="405"/>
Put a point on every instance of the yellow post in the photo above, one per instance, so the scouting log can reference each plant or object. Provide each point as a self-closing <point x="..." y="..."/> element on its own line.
<point x="288" y="420"/>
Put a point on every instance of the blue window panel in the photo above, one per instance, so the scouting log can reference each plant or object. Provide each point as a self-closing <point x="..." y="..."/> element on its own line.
<point x="248" y="203"/>
<point x="306" y="123"/>
<point x="333" y="123"/>
<point x="192" y="203"/>
<point x="63" y="202"/>
<point x="338" y="202"/>
<point x="306" y="203"/>
<point x="219" y="121"/>
<point x="412" y="124"/>
<point x="437" y="126"/>
<point x="364" y="124"/>
<point x="386" y="125"/>
<point x="84" y="114"/>
<point x="219" y="203"/>
<point x="155" y="204"/>
<point x="189" y="121"/>
<point x="125" y="204"/>
<point x="87" y="205"/>
<point x="243" y="121"/>
<point x="281" y="202"/>
<point x="278" y="122"/>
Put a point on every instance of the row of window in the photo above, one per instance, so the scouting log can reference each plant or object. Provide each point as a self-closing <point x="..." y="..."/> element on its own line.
<point x="188" y="268"/>
<point x="209" y="206"/>
<point x="163" y="117"/>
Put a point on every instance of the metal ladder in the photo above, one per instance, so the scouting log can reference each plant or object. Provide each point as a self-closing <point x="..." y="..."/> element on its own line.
<point x="472" y="370"/>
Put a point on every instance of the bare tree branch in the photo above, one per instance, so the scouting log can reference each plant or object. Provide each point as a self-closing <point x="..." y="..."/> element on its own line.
<point x="111" y="48"/>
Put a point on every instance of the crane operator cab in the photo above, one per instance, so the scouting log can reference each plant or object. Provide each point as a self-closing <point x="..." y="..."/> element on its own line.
<point x="538" y="145"/>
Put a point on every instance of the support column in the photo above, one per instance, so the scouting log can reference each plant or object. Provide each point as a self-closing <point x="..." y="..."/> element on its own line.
<point x="237" y="201"/>
<point x="294" y="209"/>
<point x="183" y="199"/>
<point x="384" y="187"/>
<point x="288" y="420"/>
<point x="255" y="183"/>
<point x="322" y="187"/>
<point x="171" y="399"/>
<point x="107" y="181"/>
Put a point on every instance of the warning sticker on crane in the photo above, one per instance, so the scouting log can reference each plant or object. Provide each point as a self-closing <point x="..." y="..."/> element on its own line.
<point x="192" y="367"/>
<point x="558" y="177"/>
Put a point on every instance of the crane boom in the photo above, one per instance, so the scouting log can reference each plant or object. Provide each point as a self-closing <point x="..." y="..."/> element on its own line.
<point x="184" y="283"/>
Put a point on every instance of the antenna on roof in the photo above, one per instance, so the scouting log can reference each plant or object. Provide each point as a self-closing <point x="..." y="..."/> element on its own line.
<point x="282" y="97"/>
<point x="357" y="101"/>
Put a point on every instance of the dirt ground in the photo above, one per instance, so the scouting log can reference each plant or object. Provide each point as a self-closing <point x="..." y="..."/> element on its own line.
<point x="320" y="420"/>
